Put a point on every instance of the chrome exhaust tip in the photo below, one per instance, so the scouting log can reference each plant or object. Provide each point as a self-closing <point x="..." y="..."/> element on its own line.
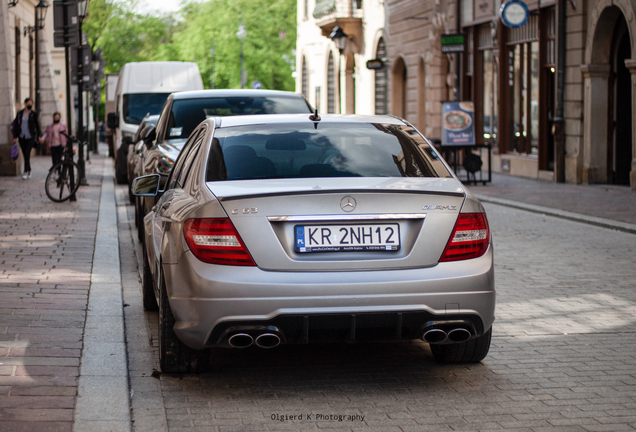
<point x="241" y="340"/>
<point x="434" y="336"/>
<point x="459" y="335"/>
<point x="268" y="340"/>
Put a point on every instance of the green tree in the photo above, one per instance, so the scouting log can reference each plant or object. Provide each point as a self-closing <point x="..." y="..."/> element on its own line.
<point x="127" y="36"/>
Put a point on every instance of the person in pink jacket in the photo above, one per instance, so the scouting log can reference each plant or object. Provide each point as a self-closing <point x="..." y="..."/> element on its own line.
<point x="55" y="140"/>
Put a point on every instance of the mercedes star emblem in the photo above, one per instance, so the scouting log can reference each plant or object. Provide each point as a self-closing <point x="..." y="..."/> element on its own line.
<point x="348" y="204"/>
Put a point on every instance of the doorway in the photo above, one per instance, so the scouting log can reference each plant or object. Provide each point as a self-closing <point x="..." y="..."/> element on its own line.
<point x="619" y="145"/>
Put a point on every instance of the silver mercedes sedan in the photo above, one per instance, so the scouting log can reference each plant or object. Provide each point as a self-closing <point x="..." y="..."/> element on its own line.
<point x="295" y="229"/>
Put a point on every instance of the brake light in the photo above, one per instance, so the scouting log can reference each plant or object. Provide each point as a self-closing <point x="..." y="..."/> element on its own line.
<point x="216" y="241"/>
<point x="469" y="239"/>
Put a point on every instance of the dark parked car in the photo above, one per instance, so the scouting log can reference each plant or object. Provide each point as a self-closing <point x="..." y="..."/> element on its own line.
<point x="135" y="149"/>
<point x="184" y="111"/>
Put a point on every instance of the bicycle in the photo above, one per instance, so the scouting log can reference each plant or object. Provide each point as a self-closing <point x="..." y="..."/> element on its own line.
<point x="63" y="179"/>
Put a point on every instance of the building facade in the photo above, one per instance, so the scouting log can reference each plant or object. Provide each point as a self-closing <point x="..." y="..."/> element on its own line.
<point x="555" y="98"/>
<point x="338" y="81"/>
<point x="26" y="70"/>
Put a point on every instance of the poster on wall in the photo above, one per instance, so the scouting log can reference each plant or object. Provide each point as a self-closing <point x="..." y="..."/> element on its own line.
<point x="458" y="123"/>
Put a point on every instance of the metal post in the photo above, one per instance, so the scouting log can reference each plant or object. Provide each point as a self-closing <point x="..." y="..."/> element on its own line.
<point x="80" y="109"/>
<point x="37" y="65"/>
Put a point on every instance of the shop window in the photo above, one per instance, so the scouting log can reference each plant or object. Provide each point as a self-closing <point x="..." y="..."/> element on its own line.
<point x="331" y="85"/>
<point x="489" y="87"/>
<point x="523" y="83"/>
<point x="381" y="82"/>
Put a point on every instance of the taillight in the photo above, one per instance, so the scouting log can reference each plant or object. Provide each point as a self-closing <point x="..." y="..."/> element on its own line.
<point x="216" y="241"/>
<point x="469" y="239"/>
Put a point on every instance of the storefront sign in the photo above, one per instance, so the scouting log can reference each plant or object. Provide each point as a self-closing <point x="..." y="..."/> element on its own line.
<point x="458" y="123"/>
<point x="453" y="43"/>
<point x="514" y="13"/>
<point x="375" y="64"/>
<point x="484" y="9"/>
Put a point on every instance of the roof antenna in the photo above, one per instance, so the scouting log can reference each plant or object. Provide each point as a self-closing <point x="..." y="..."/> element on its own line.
<point x="315" y="116"/>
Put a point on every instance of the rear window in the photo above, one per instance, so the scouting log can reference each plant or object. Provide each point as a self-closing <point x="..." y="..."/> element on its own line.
<point x="188" y="113"/>
<point x="328" y="150"/>
<point x="136" y="106"/>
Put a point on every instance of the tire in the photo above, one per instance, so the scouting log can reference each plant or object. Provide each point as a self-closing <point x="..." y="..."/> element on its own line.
<point x="121" y="170"/>
<point x="147" y="286"/>
<point x="62" y="181"/>
<point x="140" y="223"/>
<point x="174" y="355"/>
<point x="136" y="212"/>
<point x="471" y="351"/>
<point x="131" y="197"/>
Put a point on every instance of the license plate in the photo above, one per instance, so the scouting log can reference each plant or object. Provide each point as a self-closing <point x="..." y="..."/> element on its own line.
<point x="347" y="238"/>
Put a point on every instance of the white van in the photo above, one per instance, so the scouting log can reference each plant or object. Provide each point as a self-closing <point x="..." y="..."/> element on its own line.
<point x="142" y="89"/>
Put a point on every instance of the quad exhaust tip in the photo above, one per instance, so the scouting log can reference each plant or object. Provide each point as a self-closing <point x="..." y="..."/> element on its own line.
<point x="268" y="340"/>
<point x="436" y="336"/>
<point x="241" y="340"/>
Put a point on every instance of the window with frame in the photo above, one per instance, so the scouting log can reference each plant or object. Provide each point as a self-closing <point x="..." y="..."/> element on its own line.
<point x="523" y="83"/>
<point x="305" y="78"/>
<point x="381" y="81"/>
<point x="489" y="85"/>
<point x="331" y="85"/>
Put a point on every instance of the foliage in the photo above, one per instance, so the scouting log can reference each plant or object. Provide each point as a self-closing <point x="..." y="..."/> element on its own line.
<point x="126" y="35"/>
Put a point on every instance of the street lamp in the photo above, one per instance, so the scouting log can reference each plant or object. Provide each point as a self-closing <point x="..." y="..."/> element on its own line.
<point x="40" y="14"/>
<point x="241" y="33"/>
<point x="339" y="37"/>
<point x="13" y="3"/>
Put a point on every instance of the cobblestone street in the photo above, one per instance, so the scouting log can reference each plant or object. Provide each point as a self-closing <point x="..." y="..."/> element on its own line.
<point x="561" y="357"/>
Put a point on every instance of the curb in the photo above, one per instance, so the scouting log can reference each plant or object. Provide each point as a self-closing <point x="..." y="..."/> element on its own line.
<point x="563" y="214"/>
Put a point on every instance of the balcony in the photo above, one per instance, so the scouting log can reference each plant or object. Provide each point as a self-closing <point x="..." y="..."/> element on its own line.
<point x="344" y="13"/>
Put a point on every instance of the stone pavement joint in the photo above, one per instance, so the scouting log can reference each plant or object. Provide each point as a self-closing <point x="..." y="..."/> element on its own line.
<point x="45" y="271"/>
<point x="103" y="390"/>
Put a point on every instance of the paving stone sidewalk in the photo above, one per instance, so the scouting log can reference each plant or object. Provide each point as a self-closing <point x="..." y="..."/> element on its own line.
<point x="612" y="202"/>
<point x="46" y="254"/>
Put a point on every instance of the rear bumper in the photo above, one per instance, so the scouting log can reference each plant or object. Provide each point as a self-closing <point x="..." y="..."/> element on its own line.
<point x="210" y="302"/>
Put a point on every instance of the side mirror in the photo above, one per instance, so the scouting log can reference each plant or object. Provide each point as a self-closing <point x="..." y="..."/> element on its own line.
<point x="147" y="185"/>
<point x="112" y="121"/>
<point x="149" y="135"/>
<point x="127" y="140"/>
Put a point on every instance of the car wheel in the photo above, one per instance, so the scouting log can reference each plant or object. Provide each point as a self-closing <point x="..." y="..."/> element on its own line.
<point x="147" y="289"/>
<point x="121" y="171"/>
<point x="471" y="351"/>
<point x="131" y="197"/>
<point x="140" y="223"/>
<point x="136" y="212"/>
<point x="174" y="355"/>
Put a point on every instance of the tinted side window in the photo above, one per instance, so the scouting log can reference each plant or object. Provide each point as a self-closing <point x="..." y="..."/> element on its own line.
<point x="175" y="174"/>
<point x="162" y="120"/>
<point x="187" y="170"/>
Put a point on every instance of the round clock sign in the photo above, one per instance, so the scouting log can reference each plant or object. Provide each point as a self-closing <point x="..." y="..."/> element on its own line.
<point x="514" y="13"/>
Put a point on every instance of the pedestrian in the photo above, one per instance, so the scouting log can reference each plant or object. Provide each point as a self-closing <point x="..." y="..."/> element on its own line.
<point x="54" y="138"/>
<point x="26" y="128"/>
